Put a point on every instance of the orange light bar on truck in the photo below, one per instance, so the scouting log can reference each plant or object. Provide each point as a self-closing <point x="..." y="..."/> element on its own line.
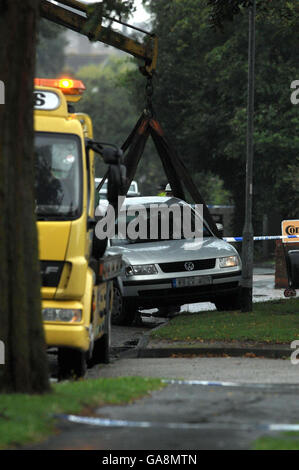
<point x="67" y="85"/>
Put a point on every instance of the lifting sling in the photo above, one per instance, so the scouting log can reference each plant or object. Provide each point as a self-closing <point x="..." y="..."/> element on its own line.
<point x="171" y="161"/>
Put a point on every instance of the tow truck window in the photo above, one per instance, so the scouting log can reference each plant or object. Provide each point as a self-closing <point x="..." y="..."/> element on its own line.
<point x="58" y="172"/>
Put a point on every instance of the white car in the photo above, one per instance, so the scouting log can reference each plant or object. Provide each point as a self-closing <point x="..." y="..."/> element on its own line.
<point x="168" y="273"/>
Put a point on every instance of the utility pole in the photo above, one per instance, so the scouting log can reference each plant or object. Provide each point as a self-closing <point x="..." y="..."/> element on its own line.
<point x="247" y="245"/>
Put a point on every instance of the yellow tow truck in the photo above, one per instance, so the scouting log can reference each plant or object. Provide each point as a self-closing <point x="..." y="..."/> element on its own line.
<point x="77" y="277"/>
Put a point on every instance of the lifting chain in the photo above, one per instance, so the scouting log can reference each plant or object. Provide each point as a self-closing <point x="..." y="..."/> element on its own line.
<point x="149" y="91"/>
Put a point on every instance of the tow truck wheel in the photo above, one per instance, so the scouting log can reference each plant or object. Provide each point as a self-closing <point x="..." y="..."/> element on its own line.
<point x="122" y="312"/>
<point x="101" y="350"/>
<point x="71" y="363"/>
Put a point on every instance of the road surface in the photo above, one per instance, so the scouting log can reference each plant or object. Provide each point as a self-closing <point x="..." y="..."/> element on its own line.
<point x="250" y="397"/>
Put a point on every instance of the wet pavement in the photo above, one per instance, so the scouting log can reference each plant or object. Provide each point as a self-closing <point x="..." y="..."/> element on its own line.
<point x="228" y="403"/>
<point x="182" y="416"/>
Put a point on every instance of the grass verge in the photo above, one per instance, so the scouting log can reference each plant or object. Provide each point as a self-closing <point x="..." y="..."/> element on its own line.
<point x="284" y="441"/>
<point x="29" y="418"/>
<point x="274" y="321"/>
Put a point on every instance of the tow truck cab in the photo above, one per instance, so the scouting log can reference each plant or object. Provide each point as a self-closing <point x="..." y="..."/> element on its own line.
<point x="76" y="287"/>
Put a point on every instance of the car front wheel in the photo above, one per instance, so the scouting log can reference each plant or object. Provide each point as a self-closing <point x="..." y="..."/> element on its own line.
<point x="228" y="302"/>
<point x="123" y="313"/>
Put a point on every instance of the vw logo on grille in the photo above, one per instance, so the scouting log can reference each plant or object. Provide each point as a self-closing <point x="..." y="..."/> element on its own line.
<point x="189" y="266"/>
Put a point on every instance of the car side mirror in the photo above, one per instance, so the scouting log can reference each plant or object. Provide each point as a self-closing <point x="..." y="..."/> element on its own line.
<point x="111" y="153"/>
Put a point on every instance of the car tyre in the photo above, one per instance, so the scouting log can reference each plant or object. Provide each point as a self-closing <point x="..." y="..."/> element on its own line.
<point x="123" y="313"/>
<point x="167" y="311"/>
<point x="101" y="349"/>
<point x="228" y="302"/>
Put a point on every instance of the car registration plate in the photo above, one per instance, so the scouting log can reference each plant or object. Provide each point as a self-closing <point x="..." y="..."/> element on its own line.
<point x="192" y="281"/>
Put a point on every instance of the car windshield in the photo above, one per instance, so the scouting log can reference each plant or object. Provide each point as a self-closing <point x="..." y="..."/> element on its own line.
<point x="145" y="227"/>
<point x="58" y="170"/>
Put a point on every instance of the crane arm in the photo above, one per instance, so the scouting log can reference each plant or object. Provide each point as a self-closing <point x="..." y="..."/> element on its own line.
<point x="79" y="19"/>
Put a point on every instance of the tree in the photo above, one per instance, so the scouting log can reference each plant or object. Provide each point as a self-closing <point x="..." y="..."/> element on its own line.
<point x="50" y="49"/>
<point x="276" y="119"/>
<point x="226" y="10"/>
<point x="201" y="97"/>
<point x="21" y="329"/>
<point x="106" y="101"/>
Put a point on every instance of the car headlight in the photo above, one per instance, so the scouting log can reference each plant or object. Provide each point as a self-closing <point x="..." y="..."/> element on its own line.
<point x="141" y="269"/>
<point x="229" y="262"/>
<point x="69" y="315"/>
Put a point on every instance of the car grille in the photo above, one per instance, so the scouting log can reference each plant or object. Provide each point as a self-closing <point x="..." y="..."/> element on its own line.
<point x="179" y="266"/>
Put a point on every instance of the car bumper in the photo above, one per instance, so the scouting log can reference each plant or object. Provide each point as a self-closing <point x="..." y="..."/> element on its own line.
<point x="159" y="292"/>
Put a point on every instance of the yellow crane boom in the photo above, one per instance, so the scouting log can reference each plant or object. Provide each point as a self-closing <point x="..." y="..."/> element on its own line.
<point x="82" y="18"/>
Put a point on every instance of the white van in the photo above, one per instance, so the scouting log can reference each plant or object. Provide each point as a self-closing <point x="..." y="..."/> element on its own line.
<point x="133" y="190"/>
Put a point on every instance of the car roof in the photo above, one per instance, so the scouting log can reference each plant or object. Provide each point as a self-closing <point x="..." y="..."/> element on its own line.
<point x="134" y="183"/>
<point x="133" y="189"/>
<point x="147" y="200"/>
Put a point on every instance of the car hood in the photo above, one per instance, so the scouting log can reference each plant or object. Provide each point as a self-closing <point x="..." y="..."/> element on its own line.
<point x="173" y="250"/>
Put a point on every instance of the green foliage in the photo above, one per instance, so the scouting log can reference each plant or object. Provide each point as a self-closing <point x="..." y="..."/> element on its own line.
<point x="284" y="12"/>
<point x="284" y="441"/>
<point x="50" y="49"/>
<point x="108" y="9"/>
<point x="212" y="188"/>
<point x="225" y="10"/>
<point x="107" y="102"/>
<point x="201" y="99"/>
<point x="117" y="8"/>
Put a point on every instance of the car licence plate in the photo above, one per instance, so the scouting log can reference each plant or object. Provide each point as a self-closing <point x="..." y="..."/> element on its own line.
<point x="192" y="281"/>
